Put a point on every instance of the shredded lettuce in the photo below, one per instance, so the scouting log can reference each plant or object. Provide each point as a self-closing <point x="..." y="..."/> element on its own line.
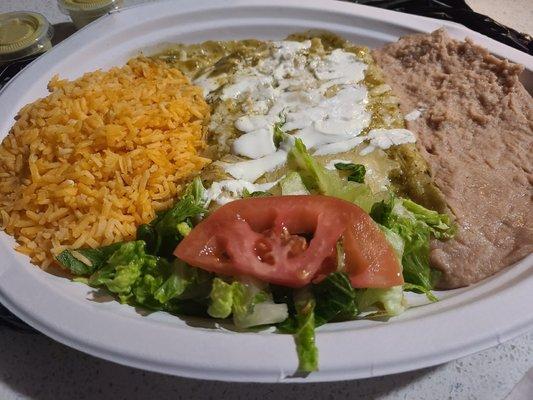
<point x="258" y="193"/>
<point x="142" y="279"/>
<point x="407" y="227"/>
<point x="164" y="233"/>
<point x="304" y="335"/>
<point x="441" y="226"/>
<point x="145" y="273"/>
<point x="184" y="282"/>
<point x="319" y="179"/>
<point x="381" y="211"/>
<point x="388" y="301"/>
<point x="292" y="184"/>
<point x="143" y="289"/>
<point x="332" y="299"/>
<point x="395" y="240"/>
<point x="410" y="287"/>
<point x="123" y="268"/>
<point x="221" y="297"/>
<point x="248" y="301"/>
<point x="183" y="228"/>
<point x="278" y="134"/>
<point x="86" y="261"/>
<point x="414" y="225"/>
<point x="335" y="299"/>
<point x="263" y="313"/>
<point x="356" y="172"/>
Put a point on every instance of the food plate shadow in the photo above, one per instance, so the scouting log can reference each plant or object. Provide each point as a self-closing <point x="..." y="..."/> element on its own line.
<point x="102" y="296"/>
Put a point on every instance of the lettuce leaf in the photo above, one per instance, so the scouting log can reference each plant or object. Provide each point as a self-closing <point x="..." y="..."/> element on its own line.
<point x="248" y="301"/>
<point x="221" y="297"/>
<point x="335" y="298"/>
<point x="278" y="134"/>
<point x="123" y="268"/>
<point x="414" y="225"/>
<point x="381" y="211"/>
<point x="319" y="179"/>
<point x="86" y="261"/>
<point x="302" y="320"/>
<point x="292" y="184"/>
<point x="395" y="240"/>
<point x="141" y="279"/>
<point x="163" y="234"/>
<point x="356" y="172"/>
<point x="410" y="287"/>
<point x="304" y="335"/>
<point x="184" y="282"/>
<point x="441" y="225"/>
<point x="254" y="305"/>
<point x="388" y="301"/>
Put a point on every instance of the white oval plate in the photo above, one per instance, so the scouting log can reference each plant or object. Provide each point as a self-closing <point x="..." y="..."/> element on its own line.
<point x="464" y="321"/>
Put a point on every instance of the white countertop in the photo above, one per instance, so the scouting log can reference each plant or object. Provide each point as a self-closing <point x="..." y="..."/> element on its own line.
<point x="35" y="367"/>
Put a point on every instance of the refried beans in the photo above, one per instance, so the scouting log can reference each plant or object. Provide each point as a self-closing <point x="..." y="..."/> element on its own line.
<point x="476" y="132"/>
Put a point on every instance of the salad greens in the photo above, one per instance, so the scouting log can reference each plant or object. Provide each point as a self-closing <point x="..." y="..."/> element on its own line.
<point x="336" y="299"/>
<point x="162" y="235"/>
<point x="258" y="193"/>
<point x="86" y="261"/>
<point x="388" y="302"/>
<point x="319" y="179"/>
<point x="278" y="133"/>
<point x="249" y="301"/>
<point x="356" y="171"/>
<point x="292" y="184"/>
<point x="221" y="296"/>
<point x="304" y="334"/>
<point x="414" y="225"/>
<point x="145" y="273"/>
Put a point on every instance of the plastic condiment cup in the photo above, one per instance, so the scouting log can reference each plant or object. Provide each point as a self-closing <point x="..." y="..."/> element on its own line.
<point x="23" y="34"/>
<point x="83" y="12"/>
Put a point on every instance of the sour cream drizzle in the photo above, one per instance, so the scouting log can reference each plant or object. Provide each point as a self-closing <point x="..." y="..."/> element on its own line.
<point x="385" y="138"/>
<point x="223" y="192"/>
<point x="320" y="100"/>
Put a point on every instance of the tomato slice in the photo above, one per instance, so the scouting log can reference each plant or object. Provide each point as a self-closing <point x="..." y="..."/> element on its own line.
<point x="291" y="241"/>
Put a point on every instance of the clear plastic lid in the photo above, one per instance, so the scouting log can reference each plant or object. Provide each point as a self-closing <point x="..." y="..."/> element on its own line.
<point x="23" y="34"/>
<point x="84" y="11"/>
<point x="88" y="5"/>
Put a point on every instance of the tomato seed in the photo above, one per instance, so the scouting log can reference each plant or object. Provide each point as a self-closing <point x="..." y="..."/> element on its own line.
<point x="297" y="245"/>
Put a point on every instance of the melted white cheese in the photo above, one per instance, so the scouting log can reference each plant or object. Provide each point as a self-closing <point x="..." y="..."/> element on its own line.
<point x="385" y="138"/>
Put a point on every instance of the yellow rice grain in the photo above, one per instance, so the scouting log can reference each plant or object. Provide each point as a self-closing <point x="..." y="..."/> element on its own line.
<point x="98" y="156"/>
<point x="82" y="258"/>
